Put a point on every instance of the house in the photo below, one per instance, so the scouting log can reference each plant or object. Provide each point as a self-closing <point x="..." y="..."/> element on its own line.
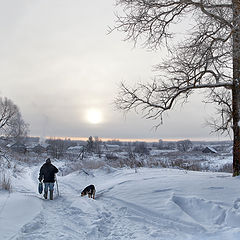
<point x="38" y="149"/>
<point x="209" y="150"/>
<point x="75" y="149"/>
<point x="110" y="147"/>
<point x="18" y="147"/>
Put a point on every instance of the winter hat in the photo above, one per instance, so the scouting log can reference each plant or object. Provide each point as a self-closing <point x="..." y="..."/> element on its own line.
<point x="48" y="161"/>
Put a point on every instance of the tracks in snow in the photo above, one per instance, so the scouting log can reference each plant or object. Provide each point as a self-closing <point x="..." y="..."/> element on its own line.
<point x="72" y="217"/>
<point x="108" y="217"/>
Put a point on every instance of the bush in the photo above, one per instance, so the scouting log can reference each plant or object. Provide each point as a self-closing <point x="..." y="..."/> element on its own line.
<point x="186" y="165"/>
<point x="141" y="147"/>
<point x="93" y="164"/>
<point x="228" y="167"/>
<point x="111" y="156"/>
<point x="6" y="183"/>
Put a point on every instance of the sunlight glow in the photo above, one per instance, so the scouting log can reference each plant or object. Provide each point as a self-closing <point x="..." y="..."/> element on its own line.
<point x="94" y="116"/>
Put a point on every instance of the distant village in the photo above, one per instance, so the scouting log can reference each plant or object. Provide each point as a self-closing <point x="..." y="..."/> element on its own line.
<point x="58" y="148"/>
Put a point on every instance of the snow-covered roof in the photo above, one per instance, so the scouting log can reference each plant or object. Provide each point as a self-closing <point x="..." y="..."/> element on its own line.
<point x="75" y="148"/>
<point x="211" y="149"/>
<point x="112" y="146"/>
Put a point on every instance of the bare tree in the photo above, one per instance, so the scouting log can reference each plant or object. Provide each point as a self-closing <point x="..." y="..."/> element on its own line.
<point x="208" y="59"/>
<point x="90" y="144"/>
<point x="11" y="121"/>
<point x="141" y="148"/>
<point x="97" y="145"/>
<point x="94" y="145"/>
<point x="184" y="145"/>
<point x="56" y="148"/>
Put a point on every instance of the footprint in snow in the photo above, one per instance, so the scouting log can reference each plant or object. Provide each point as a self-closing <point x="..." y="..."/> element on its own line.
<point x="236" y="204"/>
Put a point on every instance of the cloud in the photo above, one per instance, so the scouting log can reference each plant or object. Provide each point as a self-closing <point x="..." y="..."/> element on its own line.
<point x="57" y="61"/>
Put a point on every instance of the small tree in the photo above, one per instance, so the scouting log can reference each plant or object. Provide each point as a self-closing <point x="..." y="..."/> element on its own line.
<point x="130" y="151"/>
<point x="94" y="145"/>
<point x="141" y="147"/>
<point x="184" y="145"/>
<point x="97" y="146"/>
<point x="11" y="121"/>
<point x="56" y="148"/>
<point x="160" y="144"/>
<point x="90" y="144"/>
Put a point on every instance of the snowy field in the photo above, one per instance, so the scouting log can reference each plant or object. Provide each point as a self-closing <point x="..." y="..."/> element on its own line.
<point x="148" y="204"/>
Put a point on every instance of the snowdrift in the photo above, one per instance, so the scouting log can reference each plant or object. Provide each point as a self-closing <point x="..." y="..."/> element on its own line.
<point x="148" y="204"/>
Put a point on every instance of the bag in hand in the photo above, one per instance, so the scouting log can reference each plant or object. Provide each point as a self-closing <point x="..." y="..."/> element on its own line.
<point x="40" y="187"/>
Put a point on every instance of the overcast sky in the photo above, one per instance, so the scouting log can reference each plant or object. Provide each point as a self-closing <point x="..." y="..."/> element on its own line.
<point x="58" y="62"/>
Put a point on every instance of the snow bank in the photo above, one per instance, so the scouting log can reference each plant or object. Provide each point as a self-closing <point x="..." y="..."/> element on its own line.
<point x="148" y="204"/>
<point x="16" y="210"/>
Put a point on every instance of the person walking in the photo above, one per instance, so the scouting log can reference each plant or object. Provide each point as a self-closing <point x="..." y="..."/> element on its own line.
<point x="47" y="174"/>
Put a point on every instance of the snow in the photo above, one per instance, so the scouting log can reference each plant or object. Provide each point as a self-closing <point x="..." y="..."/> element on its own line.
<point x="77" y="148"/>
<point x="156" y="152"/>
<point x="152" y="203"/>
<point x="16" y="210"/>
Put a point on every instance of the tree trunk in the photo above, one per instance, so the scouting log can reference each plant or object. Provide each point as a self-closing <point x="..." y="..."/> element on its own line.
<point x="236" y="132"/>
<point x="236" y="88"/>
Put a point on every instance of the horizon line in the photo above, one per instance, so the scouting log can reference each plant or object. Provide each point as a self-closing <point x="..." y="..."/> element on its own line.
<point x="134" y="139"/>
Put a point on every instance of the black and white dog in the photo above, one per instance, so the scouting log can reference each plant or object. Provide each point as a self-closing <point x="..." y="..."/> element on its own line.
<point x="90" y="191"/>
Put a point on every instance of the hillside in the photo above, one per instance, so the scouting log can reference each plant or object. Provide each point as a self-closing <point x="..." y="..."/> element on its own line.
<point x="147" y="204"/>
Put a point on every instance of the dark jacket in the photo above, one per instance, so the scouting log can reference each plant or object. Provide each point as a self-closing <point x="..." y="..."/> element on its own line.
<point x="47" y="173"/>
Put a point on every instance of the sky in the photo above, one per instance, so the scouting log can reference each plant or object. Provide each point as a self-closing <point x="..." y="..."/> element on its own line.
<point x="63" y="70"/>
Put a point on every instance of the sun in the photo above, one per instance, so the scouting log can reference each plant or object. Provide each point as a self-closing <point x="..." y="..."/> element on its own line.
<point x="94" y="116"/>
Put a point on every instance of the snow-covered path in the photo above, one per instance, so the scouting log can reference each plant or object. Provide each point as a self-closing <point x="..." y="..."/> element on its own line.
<point x="151" y="204"/>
